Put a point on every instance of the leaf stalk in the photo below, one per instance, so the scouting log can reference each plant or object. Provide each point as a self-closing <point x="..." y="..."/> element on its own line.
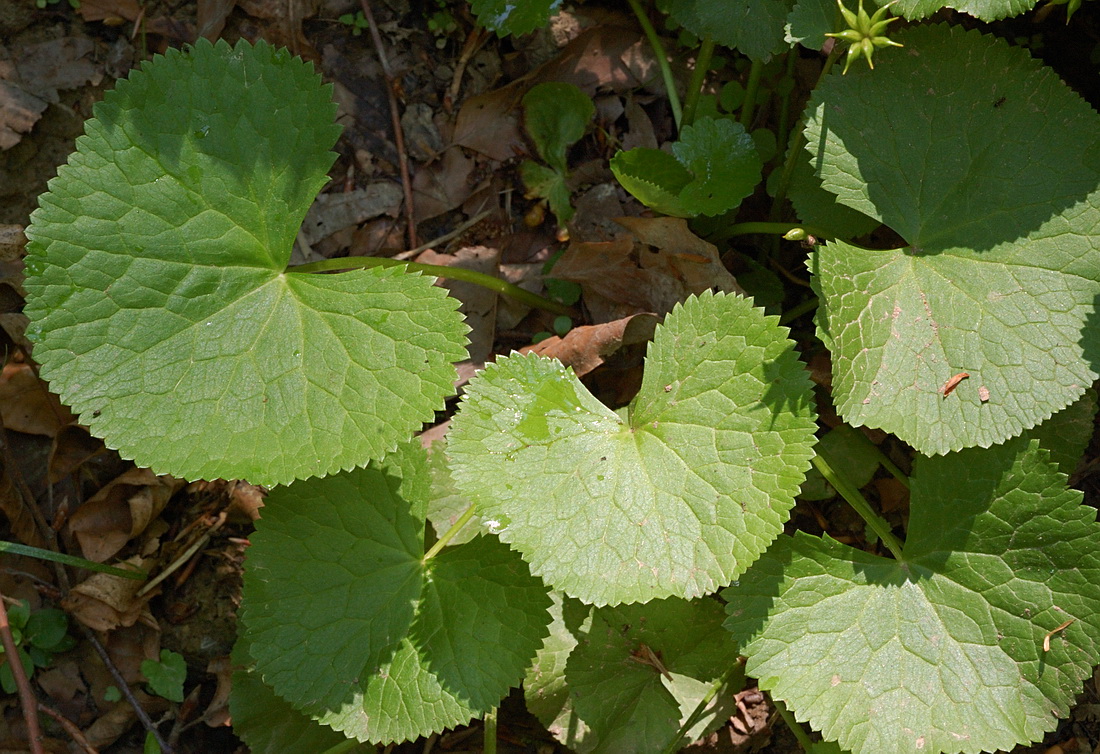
<point x="449" y="534"/>
<point x="662" y="60"/>
<point x="855" y="499"/>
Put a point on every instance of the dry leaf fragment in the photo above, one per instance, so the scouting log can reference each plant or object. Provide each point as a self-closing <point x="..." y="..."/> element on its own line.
<point x="983" y="393"/>
<point x="585" y="348"/>
<point x="951" y="384"/>
<point x="121" y="510"/>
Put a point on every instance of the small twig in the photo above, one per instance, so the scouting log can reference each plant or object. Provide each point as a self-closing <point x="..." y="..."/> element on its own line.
<point x="474" y="42"/>
<point x="398" y="134"/>
<point x="26" y="696"/>
<point x="124" y="687"/>
<point x="445" y="237"/>
<point x="70" y="727"/>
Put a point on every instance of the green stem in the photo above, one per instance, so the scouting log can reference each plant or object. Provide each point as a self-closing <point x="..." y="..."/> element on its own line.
<point x="751" y="88"/>
<point x="71" y="560"/>
<point x="442" y="271"/>
<point x="797" y="311"/>
<point x="698" y="76"/>
<point x="449" y="534"/>
<point x="489" y="743"/>
<point x="798" y="731"/>
<point x="782" y="133"/>
<point x="884" y="460"/>
<point x="662" y="60"/>
<point x="341" y="747"/>
<point x="855" y="499"/>
<point x="794" y="149"/>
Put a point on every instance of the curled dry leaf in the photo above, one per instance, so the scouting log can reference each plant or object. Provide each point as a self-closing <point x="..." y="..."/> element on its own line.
<point x="121" y="510"/>
<point x="26" y="405"/>
<point x="585" y="348"/>
<point x="104" y="602"/>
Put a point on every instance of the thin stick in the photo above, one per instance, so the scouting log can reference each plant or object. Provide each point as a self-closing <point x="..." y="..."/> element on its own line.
<point x="124" y="687"/>
<point x="445" y="237"/>
<point x="26" y="695"/>
<point x="70" y="727"/>
<point x="474" y="42"/>
<point x="395" y="115"/>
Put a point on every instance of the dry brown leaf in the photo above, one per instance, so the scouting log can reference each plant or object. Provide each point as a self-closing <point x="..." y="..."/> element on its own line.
<point x="20" y="519"/>
<point x="335" y="211"/>
<point x="120" y="718"/>
<point x="13" y="243"/>
<point x="211" y="17"/>
<point x="443" y="185"/>
<point x="31" y="76"/>
<point x="217" y="712"/>
<point x="478" y="304"/>
<point x="26" y="405"/>
<point x="615" y="283"/>
<point x="682" y="254"/>
<point x="286" y="19"/>
<point x="489" y="123"/>
<point x="245" y="500"/>
<point x="110" y="12"/>
<point x="104" y="602"/>
<point x="585" y="348"/>
<point x="120" y="511"/>
<point x="72" y="447"/>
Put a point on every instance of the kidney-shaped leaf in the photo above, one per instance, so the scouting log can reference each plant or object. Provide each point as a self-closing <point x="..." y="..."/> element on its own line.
<point x="157" y="291"/>
<point x="713" y="166"/>
<point x="944" y="651"/>
<point x="754" y="27"/>
<point x="351" y="625"/>
<point x="983" y="162"/>
<point x="676" y="500"/>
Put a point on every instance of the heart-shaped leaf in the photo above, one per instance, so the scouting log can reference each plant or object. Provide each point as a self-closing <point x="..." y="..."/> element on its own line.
<point x="676" y="499"/>
<point x="160" y="304"/>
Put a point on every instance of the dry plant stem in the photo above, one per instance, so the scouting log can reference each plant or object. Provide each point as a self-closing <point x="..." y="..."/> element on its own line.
<point x="855" y="499"/>
<point x="26" y="695"/>
<point x="474" y="42"/>
<point x="395" y="116"/>
<point x="662" y="61"/>
<point x="124" y="687"/>
<point x="74" y="732"/>
<point x="445" y="237"/>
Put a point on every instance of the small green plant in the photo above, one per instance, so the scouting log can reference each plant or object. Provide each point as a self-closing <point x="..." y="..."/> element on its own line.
<point x="166" y="676"/>
<point x="38" y="635"/>
<point x="619" y="561"/>
<point x="356" y="21"/>
<point x="556" y="116"/>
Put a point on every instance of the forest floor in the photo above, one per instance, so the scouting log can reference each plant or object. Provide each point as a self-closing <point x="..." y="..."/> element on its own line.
<point x="458" y="91"/>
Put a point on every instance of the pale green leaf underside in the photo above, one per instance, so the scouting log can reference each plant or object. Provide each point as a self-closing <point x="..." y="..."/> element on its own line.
<point x="944" y="653"/>
<point x="1002" y="273"/>
<point x="349" y="625"/>
<point x="678" y="500"/>
<point x="986" y="10"/>
<point x="158" y="298"/>
<point x="632" y="706"/>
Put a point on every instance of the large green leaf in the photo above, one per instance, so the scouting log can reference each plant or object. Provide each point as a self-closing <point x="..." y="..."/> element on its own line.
<point x="159" y="302"/>
<point x="986" y="10"/>
<point x="678" y="498"/>
<point x="944" y="651"/>
<point x="754" y="27"/>
<point x="641" y="670"/>
<point x="351" y="625"/>
<point x="982" y="161"/>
